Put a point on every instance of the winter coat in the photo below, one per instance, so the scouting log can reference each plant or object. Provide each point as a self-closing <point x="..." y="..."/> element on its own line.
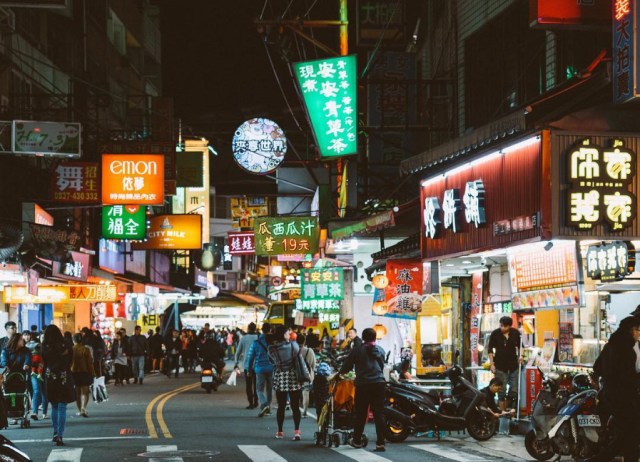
<point x="283" y="354"/>
<point x="242" y="352"/>
<point x="258" y="359"/>
<point x="82" y="360"/>
<point x="138" y="345"/>
<point x="59" y="381"/>
<point x="15" y="360"/>
<point x="368" y="360"/>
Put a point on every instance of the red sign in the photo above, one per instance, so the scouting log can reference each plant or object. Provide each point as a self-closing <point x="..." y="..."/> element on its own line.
<point x="476" y="305"/>
<point x="461" y="206"/>
<point x="76" y="182"/>
<point x="404" y="291"/>
<point x="569" y="14"/>
<point x="241" y="243"/>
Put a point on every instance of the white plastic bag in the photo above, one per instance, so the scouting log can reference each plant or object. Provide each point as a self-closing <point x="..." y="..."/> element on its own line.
<point x="99" y="390"/>
<point x="231" y="381"/>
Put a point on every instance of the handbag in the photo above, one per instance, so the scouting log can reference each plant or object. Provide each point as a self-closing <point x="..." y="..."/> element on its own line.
<point x="300" y="368"/>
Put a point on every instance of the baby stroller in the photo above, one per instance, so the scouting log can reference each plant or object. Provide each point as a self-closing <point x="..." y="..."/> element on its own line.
<point x="336" y="421"/>
<point x="17" y="397"/>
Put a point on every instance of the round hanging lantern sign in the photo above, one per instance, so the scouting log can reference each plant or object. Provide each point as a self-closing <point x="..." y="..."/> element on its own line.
<point x="380" y="308"/>
<point x="380" y="281"/>
<point x="259" y="146"/>
<point x="381" y="331"/>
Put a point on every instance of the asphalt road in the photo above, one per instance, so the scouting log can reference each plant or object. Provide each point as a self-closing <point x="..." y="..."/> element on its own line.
<point x="176" y="419"/>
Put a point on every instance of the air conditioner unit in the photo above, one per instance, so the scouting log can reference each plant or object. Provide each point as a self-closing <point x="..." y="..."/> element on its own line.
<point x="223" y="285"/>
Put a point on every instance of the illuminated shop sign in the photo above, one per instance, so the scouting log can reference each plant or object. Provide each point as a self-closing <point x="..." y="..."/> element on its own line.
<point x="74" y="268"/>
<point x="124" y="222"/>
<point x="61" y="139"/>
<point x="242" y="243"/>
<point x="316" y="305"/>
<point x="498" y="307"/>
<point x="286" y="235"/>
<point x="173" y="232"/>
<point x="472" y="204"/>
<point x="599" y="185"/>
<point x="624" y="50"/>
<point x="133" y="179"/>
<point x="259" y="146"/>
<point x="76" y="182"/>
<point x="322" y="284"/>
<point x="611" y="262"/>
<point x="329" y="89"/>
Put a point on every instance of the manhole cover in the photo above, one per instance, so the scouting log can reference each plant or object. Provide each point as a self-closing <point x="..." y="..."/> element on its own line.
<point x="178" y="453"/>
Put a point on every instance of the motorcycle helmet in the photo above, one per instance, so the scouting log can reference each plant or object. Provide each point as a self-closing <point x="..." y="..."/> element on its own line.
<point x="455" y="373"/>
<point x="323" y="370"/>
<point x="580" y="382"/>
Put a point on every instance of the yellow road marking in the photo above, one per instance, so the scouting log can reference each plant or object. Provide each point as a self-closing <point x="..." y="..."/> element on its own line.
<point x="149" y="411"/>
<point x="161" y="422"/>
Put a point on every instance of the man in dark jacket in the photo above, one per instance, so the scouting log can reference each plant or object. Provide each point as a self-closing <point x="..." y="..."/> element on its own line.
<point x="368" y="360"/>
<point x="155" y="346"/>
<point x="505" y="358"/>
<point x="11" y="329"/>
<point x="138" y="347"/>
<point x="173" y="345"/>
<point x="354" y="340"/>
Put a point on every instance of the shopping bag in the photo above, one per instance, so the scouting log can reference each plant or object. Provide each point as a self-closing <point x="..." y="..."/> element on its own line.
<point x="231" y="381"/>
<point x="99" y="390"/>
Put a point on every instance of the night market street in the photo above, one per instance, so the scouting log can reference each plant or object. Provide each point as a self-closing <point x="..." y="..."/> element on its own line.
<point x="217" y="427"/>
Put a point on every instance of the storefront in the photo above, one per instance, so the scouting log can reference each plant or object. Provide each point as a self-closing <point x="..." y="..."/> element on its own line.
<point x="513" y="232"/>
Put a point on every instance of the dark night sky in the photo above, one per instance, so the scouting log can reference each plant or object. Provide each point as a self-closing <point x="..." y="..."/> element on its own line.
<point x="213" y="57"/>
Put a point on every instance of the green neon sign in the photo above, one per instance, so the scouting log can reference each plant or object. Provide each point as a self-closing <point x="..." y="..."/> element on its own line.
<point x="286" y="235"/>
<point x="125" y="222"/>
<point x="329" y="89"/>
<point x="322" y="284"/>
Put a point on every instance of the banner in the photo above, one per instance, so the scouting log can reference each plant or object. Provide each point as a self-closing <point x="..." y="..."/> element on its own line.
<point x="172" y="232"/>
<point x="404" y="292"/>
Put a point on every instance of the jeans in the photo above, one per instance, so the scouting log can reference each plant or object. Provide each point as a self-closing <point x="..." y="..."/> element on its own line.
<point x="39" y="396"/>
<point x="264" y="388"/>
<point x="137" y="364"/>
<point x="174" y="364"/>
<point x="510" y="380"/>
<point x="369" y="394"/>
<point x="58" y="418"/>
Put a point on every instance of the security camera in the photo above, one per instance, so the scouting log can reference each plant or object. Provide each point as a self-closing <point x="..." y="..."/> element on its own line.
<point x="483" y="261"/>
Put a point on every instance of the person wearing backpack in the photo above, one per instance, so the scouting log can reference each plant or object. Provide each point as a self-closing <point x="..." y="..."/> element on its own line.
<point x="257" y="363"/>
<point x="309" y="358"/>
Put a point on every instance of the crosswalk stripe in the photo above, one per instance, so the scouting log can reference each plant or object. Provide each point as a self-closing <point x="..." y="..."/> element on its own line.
<point x="361" y="455"/>
<point x="496" y="451"/>
<point x="451" y="454"/>
<point x="161" y="448"/>
<point x="65" y="455"/>
<point x="261" y="453"/>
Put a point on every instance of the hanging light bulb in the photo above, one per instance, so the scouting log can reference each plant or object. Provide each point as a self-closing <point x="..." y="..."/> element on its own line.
<point x="380" y="308"/>
<point x="381" y="331"/>
<point x="380" y="281"/>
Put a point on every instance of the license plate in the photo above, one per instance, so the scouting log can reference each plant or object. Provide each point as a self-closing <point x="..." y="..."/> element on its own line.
<point x="207" y="379"/>
<point x="589" y="421"/>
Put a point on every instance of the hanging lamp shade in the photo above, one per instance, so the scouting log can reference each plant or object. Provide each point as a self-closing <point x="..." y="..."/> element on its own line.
<point x="380" y="281"/>
<point x="381" y="331"/>
<point x="380" y="308"/>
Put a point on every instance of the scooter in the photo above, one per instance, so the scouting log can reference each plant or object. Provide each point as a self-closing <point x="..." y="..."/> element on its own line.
<point x="9" y="452"/>
<point x="209" y="379"/>
<point x="565" y="423"/>
<point x="411" y="410"/>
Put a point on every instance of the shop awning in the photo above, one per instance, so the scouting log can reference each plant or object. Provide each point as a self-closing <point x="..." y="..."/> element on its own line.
<point x="236" y="300"/>
<point x="369" y="225"/>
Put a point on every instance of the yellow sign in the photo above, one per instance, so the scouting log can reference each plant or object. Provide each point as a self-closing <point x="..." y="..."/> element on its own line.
<point x="93" y="293"/>
<point x="173" y="232"/>
<point x="20" y="294"/>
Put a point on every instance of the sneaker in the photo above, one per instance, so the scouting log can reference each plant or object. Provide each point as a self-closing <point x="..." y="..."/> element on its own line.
<point x="379" y="448"/>
<point x="34" y="416"/>
<point x="264" y="411"/>
<point x="296" y="435"/>
<point x="353" y="444"/>
<point x="45" y="416"/>
<point x="141" y="381"/>
<point x="268" y="411"/>
<point x="304" y="415"/>
<point x="279" y="435"/>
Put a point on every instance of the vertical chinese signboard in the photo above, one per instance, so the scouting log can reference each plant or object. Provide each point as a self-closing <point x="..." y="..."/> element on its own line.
<point x="76" y="182"/>
<point x="611" y="262"/>
<point x="329" y="89"/>
<point x="322" y="284"/>
<point x="404" y="291"/>
<point x="125" y="222"/>
<point x="624" y="50"/>
<point x="286" y="235"/>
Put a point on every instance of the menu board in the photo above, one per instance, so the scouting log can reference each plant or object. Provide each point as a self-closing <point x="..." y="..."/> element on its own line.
<point x="544" y="278"/>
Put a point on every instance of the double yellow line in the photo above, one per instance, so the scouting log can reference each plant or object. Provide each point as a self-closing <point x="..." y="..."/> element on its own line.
<point x="162" y="400"/>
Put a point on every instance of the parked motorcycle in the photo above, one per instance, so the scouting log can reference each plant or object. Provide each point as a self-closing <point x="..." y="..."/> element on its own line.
<point x="411" y="410"/>
<point x="565" y="422"/>
<point x="209" y="378"/>
<point x="10" y="453"/>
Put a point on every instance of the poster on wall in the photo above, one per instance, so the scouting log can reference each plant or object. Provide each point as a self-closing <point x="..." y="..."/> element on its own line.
<point x="404" y="292"/>
<point x="565" y="342"/>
